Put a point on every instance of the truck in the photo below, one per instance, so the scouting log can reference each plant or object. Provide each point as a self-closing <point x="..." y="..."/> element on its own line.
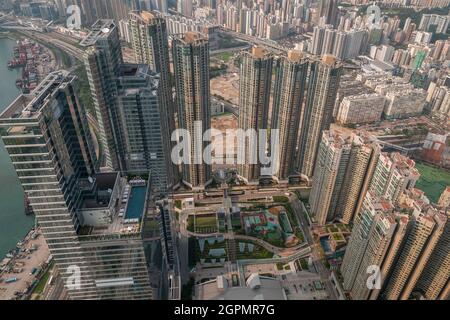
<point x="33" y="271"/>
<point x="10" y="280"/>
<point x="17" y="270"/>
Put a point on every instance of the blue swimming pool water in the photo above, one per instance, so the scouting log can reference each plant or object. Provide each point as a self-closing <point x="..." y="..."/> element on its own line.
<point x="136" y="203"/>
<point x="325" y="245"/>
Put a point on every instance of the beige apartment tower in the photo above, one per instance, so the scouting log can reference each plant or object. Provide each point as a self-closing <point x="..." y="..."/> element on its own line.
<point x="421" y="239"/>
<point x="190" y="53"/>
<point x="254" y="97"/>
<point x="289" y="94"/>
<point x="359" y="172"/>
<point x="343" y="166"/>
<point x="393" y="174"/>
<point x="368" y="245"/>
<point x="332" y="160"/>
<point x="433" y="282"/>
<point x="323" y="83"/>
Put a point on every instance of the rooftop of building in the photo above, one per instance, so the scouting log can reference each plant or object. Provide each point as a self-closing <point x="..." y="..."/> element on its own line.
<point x="402" y="91"/>
<point x="135" y="70"/>
<point x="342" y="136"/>
<point x="294" y="55"/>
<point x="140" y="76"/>
<point x="30" y="105"/>
<point x="100" y="29"/>
<point x="413" y="198"/>
<point x="112" y="206"/>
<point x="337" y="138"/>
<point x="380" y="203"/>
<point x="258" y="288"/>
<point x="190" y="37"/>
<point x="404" y="164"/>
<point x="381" y="65"/>
<point x="364" y="96"/>
<point x="147" y="16"/>
<point x="329" y="59"/>
<point x="104" y="184"/>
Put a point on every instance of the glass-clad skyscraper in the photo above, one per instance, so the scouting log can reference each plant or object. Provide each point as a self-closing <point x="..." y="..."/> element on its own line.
<point x="47" y="137"/>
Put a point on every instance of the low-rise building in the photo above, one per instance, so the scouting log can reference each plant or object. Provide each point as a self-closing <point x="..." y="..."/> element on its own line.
<point x="401" y="104"/>
<point x="256" y="288"/>
<point x="362" y="108"/>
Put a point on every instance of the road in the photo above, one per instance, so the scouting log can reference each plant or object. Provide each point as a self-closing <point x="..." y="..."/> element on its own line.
<point x="54" y="290"/>
<point x="55" y="39"/>
<point x="257" y="41"/>
<point x="274" y="249"/>
<point x="229" y="107"/>
<point x="315" y="247"/>
<point x="233" y="49"/>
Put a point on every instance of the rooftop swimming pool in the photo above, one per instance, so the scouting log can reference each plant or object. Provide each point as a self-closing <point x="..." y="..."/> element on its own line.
<point x="325" y="244"/>
<point x="136" y="203"/>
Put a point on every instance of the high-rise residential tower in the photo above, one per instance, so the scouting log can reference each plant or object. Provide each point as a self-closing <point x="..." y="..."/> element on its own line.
<point x="368" y="244"/>
<point x="185" y="7"/>
<point x="323" y="83"/>
<point x="102" y="58"/>
<point x="365" y="152"/>
<point x="151" y="46"/>
<point x="254" y="98"/>
<point x="328" y="10"/>
<point x="317" y="40"/>
<point x="329" y="173"/>
<point x="343" y="170"/>
<point x="434" y="281"/>
<point x="47" y="137"/>
<point x="190" y="53"/>
<point x="411" y="262"/>
<point x="289" y="95"/>
<point x="422" y="237"/>
<point x="393" y="174"/>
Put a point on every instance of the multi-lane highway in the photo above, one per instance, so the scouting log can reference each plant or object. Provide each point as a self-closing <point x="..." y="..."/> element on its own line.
<point x="275" y="48"/>
<point x="58" y="41"/>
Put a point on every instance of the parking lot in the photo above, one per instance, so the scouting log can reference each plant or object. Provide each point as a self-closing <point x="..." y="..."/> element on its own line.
<point x="304" y="286"/>
<point x="32" y="254"/>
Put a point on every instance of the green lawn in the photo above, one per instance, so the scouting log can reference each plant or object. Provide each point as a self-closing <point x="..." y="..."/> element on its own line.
<point x="432" y="181"/>
<point x="258" y="253"/>
<point x="337" y="237"/>
<point x="205" y="221"/>
<point x="203" y="224"/>
<point x="274" y="238"/>
<point x="304" y="264"/>
<point x="281" y="199"/>
<point x="151" y="225"/>
<point x="84" y="91"/>
<point x="299" y="234"/>
<point x="291" y="215"/>
<point x="332" y="229"/>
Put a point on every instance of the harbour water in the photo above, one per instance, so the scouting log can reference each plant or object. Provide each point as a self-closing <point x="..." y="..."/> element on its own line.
<point x="14" y="224"/>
